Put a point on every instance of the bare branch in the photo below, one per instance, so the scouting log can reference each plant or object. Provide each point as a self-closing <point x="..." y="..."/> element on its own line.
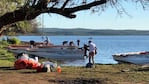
<point x="87" y="6"/>
<point x="67" y="8"/>
<point x="34" y="2"/>
<point x="65" y="4"/>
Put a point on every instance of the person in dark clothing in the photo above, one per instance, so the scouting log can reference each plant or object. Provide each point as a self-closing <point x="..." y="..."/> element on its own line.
<point x="32" y="44"/>
<point x="71" y="43"/>
<point x="78" y="42"/>
<point x="65" y="43"/>
<point x="85" y="49"/>
<point x="47" y="41"/>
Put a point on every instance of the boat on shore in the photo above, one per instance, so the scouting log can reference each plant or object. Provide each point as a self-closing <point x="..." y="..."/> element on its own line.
<point x="51" y="51"/>
<point x="140" y="58"/>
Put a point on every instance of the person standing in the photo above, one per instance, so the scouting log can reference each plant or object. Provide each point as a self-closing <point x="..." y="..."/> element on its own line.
<point x="92" y="51"/>
<point x="78" y="43"/>
<point x="32" y="44"/>
<point x="47" y="41"/>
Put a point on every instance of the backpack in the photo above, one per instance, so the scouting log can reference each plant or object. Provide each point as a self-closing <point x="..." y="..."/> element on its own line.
<point x="89" y="65"/>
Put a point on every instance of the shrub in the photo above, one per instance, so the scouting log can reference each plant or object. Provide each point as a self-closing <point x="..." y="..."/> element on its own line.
<point x="14" y="40"/>
<point x="3" y="42"/>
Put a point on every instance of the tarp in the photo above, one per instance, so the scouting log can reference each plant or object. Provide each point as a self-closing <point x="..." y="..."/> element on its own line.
<point x="25" y="62"/>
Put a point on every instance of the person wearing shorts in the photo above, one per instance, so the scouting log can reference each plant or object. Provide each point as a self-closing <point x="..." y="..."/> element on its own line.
<point x="92" y="49"/>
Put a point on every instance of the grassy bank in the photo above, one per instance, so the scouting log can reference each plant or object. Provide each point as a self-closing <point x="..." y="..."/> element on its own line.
<point x="101" y="74"/>
<point x="6" y="58"/>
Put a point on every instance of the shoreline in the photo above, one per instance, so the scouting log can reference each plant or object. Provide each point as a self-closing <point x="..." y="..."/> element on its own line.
<point x="102" y="74"/>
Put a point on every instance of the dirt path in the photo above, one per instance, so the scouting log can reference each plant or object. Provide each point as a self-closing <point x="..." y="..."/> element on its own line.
<point x="10" y="76"/>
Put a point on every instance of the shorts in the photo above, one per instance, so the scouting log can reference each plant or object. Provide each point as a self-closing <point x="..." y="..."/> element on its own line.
<point x="91" y="53"/>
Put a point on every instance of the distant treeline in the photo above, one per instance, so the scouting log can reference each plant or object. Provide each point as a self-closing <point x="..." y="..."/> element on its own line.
<point x="83" y="32"/>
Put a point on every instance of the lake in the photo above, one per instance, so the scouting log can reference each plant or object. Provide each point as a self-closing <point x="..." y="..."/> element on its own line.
<point x="107" y="46"/>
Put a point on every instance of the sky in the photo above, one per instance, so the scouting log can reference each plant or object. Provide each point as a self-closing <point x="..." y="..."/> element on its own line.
<point x="137" y="19"/>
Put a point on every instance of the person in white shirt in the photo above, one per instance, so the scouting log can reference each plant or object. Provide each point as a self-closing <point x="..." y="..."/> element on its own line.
<point x="92" y="51"/>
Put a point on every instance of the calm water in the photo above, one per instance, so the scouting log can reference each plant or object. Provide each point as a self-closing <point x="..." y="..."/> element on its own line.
<point x="107" y="45"/>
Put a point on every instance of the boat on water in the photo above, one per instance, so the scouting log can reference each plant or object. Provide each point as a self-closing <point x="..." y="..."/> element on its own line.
<point x="140" y="58"/>
<point x="50" y="51"/>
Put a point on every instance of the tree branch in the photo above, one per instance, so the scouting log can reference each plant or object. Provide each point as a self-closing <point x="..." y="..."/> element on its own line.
<point x="41" y="7"/>
<point x="68" y="12"/>
<point x="65" y="4"/>
<point x="87" y="6"/>
<point x="34" y="2"/>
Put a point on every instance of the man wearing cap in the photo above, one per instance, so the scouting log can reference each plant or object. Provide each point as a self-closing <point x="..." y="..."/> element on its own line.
<point x="92" y="51"/>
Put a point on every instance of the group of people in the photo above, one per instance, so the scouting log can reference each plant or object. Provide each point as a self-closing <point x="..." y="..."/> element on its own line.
<point x="90" y="49"/>
<point x="45" y="42"/>
<point x="71" y="43"/>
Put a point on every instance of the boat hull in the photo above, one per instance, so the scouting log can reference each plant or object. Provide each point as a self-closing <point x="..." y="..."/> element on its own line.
<point x="51" y="52"/>
<point x="139" y="58"/>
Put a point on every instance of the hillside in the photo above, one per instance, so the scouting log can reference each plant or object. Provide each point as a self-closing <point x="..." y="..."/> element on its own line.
<point x="81" y="31"/>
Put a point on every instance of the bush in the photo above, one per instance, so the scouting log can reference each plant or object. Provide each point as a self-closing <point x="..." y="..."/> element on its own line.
<point x="14" y="40"/>
<point x="3" y="42"/>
